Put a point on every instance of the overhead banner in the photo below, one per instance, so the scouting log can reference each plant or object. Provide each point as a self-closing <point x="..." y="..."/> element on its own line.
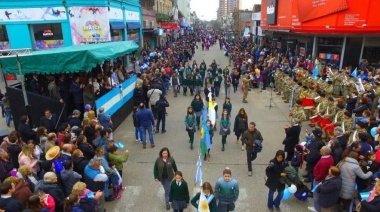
<point x="89" y="25"/>
<point x="271" y="11"/>
<point x="33" y="14"/>
<point x="169" y="25"/>
<point x="322" y="16"/>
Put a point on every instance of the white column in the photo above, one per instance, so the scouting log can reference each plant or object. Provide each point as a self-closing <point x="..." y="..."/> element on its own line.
<point x="314" y="51"/>
<point x="362" y="50"/>
<point x="343" y="50"/>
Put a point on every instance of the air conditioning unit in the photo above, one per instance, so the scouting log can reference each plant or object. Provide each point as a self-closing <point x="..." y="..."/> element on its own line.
<point x="145" y="23"/>
<point x="152" y="24"/>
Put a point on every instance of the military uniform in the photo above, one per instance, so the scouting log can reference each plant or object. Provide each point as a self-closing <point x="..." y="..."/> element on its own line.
<point x="376" y="99"/>
<point x="337" y="84"/>
<point x="322" y="106"/>
<point x="330" y="111"/>
<point x="246" y="88"/>
<point x="299" y="113"/>
<point x="347" y="126"/>
<point x="338" y="118"/>
<point x="355" y="135"/>
<point x="329" y="90"/>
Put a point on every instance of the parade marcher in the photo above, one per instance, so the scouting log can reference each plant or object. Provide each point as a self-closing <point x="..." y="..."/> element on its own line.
<point x="207" y="90"/>
<point x="225" y="124"/>
<point x="208" y="192"/>
<point x="217" y="84"/>
<point x="179" y="197"/>
<point x="175" y="83"/>
<point x="292" y="138"/>
<point x="164" y="169"/>
<point x="245" y="86"/>
<point x="227" y="106"/>
<point x="197" y="105"/>
<point x="240" y="124"/>
<point x="226" y="191"/>
<point x="274" y="172"/>
<point x="210" y="130"/>
<point x="190" y="123"/>
<point x="298" y="111"/>
<point x="251" y="138"/>
<point x="235" y="80"/>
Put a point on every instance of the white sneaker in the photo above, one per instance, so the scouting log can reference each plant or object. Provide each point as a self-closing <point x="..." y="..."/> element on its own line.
<point x="311" y="208"/>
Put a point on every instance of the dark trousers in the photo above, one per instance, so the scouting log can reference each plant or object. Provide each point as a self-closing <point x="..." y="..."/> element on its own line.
<point x="251" y="156"/>
<point x="161" y="117"/>
<point x="289" y="155"/>
<point x="217" y="90"/>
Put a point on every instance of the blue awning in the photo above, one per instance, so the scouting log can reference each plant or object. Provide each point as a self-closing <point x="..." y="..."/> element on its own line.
<point x="133" y="25"/>
<point x="117" y="25"/>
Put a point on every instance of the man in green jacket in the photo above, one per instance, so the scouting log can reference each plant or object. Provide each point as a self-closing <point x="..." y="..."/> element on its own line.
<point x="248" y="139"/>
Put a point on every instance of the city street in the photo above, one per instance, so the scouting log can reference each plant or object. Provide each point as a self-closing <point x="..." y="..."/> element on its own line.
<point x="144" y="194"/>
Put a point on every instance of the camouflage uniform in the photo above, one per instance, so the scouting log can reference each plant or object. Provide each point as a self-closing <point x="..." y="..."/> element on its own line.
<point x="322" y="106"/>
<point x="376" y="99"/>
<point x="299" y="113"/>
<point x="347" y="126"/>
<point x="338" y="118"/>
<point x="246" y="88"/>
<point x="355" y="135"/>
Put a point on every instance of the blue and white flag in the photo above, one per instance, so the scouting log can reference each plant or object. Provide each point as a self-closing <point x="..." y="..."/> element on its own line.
<point x="315" y="72"/>
<point x="198" y="173"/>
<point x="354" y="74"/>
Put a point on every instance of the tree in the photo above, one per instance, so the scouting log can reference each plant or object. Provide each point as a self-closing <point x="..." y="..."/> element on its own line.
<point x="216" y="24"/>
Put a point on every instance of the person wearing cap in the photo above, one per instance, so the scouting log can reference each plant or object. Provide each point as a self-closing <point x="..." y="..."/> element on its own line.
<point x="360" y="128"/>
<point x="104" y="120"/>
<point x="74" y="119"/>
<point x="87" y="108"/>
<point x="329" y="89"/>
<point x="338" y="118"/>
<point x="298" y="111"/>
<point x="54" y="155"/>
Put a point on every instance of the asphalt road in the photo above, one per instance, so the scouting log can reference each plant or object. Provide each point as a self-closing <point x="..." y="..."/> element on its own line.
<point x="145" y="195"/>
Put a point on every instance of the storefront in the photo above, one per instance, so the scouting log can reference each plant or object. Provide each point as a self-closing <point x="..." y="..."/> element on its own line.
<point x="150" y="37"/>
<point x="4" y="41"/>
<point x="32" y="24"/>
<point x="338" y="35"/>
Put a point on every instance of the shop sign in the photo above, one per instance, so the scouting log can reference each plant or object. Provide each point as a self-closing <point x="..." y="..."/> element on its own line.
<point x="276" y="39"/>
<point x="169" y="25"/>
<point x="33" y="14"/>
<point x="132" y="16"/>
<point x="302" y="51"/>
<point x="89" y="24"/>
<point x="115" y="14"/>
<point x="148" y="30"/>
<point x="47" y="33"/>
<point x="271" y="12"/>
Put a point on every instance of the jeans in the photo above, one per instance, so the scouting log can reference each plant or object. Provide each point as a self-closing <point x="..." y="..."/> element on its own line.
<point x="8" y="116"/>
<point x="276" y="202"/>
<point x="153" y="109"/>
<point x="166" y="184"/>
<point x="217" y="90"/>
<point x="138" y="133"/>
<point x="143" y="134"/>
<point x="197" y="89"/>
<point x="251" y="156"/>
<point x="317" y="207"/>
<point x="227" y="90"/>
<point x="114" y="180"/>
<point x="175" y="90"/>
<point x="224" y="207"/>
<point x="161" y="117"/>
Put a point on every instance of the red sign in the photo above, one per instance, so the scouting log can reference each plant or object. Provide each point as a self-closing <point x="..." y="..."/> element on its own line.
<point x="325" y="16"/>
<point x="335" y="57"/>
<point x="169" y="25"/>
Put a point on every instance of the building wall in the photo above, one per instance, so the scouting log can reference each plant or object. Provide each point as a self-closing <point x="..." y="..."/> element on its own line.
<point x="184" y="7"/>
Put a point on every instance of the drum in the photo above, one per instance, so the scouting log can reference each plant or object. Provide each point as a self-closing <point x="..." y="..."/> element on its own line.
<point x="315" y="119"/>
<point x="308" y="103"/>
<point x="324" y="122"/>
<point x="330" y="129"/>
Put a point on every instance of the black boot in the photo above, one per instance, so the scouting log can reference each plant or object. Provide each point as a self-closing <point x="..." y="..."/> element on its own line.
<point x="223" y="148"/>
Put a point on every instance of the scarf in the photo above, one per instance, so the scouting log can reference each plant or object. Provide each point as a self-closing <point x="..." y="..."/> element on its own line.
<point x="372" y="195"/>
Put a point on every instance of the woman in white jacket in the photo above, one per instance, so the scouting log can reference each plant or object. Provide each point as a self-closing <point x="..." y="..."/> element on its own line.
<point x="350" y="169"/>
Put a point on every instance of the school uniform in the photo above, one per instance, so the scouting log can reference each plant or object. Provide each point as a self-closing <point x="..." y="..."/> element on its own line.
<point x="179" y="195"/>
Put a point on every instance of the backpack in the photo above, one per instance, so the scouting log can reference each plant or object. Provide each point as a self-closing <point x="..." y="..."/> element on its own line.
<point x="160" y="106"/>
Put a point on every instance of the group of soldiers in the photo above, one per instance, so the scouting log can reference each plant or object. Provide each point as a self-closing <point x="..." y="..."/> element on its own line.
<point x="329" y="97"/>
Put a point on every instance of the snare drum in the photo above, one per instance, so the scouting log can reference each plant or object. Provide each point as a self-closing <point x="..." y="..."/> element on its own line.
<point x="308" y="103"/>
<point x="315" y="119"/>
<point x="324" y="122"/>
<point x="330" y="129"/>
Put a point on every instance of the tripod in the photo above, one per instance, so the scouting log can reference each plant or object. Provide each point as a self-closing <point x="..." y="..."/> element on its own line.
<point x="271" y="97"/>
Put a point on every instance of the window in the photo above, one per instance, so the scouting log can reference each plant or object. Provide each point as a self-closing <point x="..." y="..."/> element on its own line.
<point x="3" y="33"/>
<point x="47" y="31"/>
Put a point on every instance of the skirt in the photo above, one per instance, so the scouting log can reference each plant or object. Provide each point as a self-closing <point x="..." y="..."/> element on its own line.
<point x="176" y="205"/>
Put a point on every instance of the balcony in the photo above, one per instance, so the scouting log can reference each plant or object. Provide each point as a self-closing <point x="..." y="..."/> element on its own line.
<point x="161" y="17"/>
